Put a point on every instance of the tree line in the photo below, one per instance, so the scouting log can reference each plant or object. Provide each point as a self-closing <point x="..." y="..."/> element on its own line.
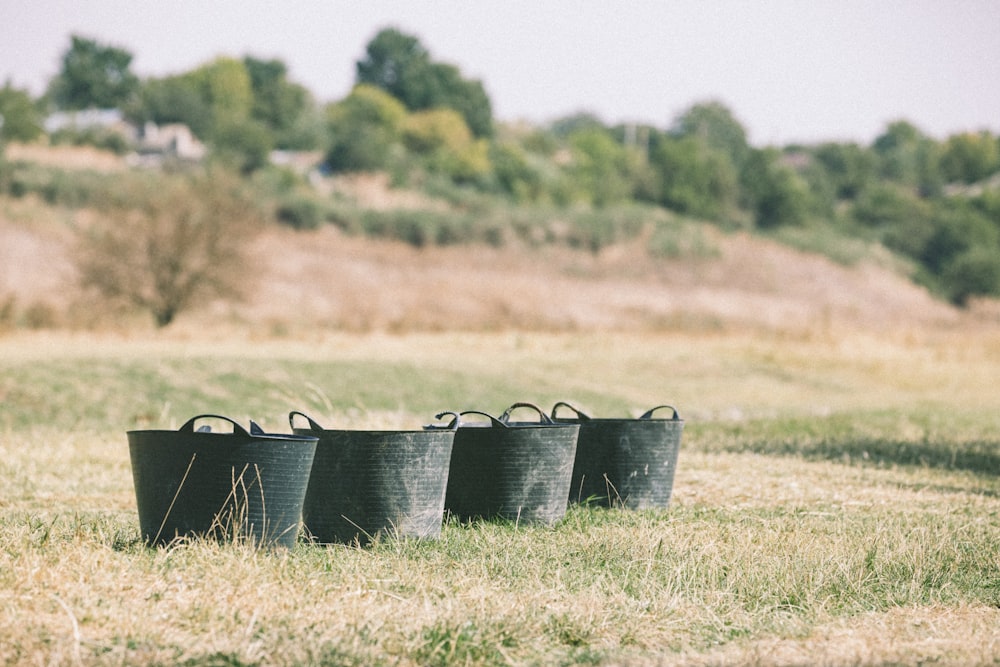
<point x="935" y="202"/>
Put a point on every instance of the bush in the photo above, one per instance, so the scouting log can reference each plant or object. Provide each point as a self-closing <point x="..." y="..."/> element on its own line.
<point x="163" y="244"/>
<point x="420" y="228"/>
<point x="300" y="212"/>
<point x="677" y="240"/>
<point x="975" y="272"/>
<point x="74" y="189"/>
<point x="105" y="139"/>
<point x="365" y="129"/>
<point x="244" y="145"/>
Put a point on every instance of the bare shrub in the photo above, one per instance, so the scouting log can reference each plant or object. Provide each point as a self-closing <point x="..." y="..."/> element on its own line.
<point x="8" y="311"/>
<point x="166" y="243"/>
<point x="41" y="315"/>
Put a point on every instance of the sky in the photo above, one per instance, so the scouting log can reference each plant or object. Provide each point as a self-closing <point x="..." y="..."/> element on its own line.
<point x="790" y="71"/>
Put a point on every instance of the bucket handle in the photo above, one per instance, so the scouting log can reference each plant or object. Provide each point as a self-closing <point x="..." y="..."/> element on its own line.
<point x="312" y="425"/>
<point x="455" y="422"/>
<point x="563" y="404"/>
<point x="542" y="417"/>
<point x="649" y="413"/>
<point x="188" y="426"/>
<point x="493" y="420"/>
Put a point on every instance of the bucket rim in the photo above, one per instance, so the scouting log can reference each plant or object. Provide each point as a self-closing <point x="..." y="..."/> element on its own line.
<point x="256" y="433"/>
<point x="646" y="417"/>
<point x="314" y="426"/>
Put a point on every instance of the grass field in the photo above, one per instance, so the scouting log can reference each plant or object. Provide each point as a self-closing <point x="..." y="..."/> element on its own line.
<point x="837" y="501"/>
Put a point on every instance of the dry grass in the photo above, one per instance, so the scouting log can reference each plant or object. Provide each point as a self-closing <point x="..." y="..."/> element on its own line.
<point x="66" y="157"/>
<point x="761" y="559"/>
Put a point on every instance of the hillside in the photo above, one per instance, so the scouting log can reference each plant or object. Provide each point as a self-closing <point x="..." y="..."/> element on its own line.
<point x="328" y="278"/>
<point x="364" y="284"/>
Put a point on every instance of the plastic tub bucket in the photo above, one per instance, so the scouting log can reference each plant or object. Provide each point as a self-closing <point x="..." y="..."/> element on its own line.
<point x="518" y="471"/>
<point x="364" y="483"/>
<point x="244" y="485"/>
<point x="626" y="462"/>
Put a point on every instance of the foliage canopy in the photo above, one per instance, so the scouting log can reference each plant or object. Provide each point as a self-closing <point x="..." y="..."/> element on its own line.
<point x="399" y="64"/>
<point x="93" y="76"/>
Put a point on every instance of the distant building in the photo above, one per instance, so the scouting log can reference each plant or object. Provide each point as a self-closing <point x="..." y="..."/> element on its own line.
<point x="89" y="119"/>
<point x="174" y="140"/>
<point x="152" y="143"/>
<point x="301" y="162"/>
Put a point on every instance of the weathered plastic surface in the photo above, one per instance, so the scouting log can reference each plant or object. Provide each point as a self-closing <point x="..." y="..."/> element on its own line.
<point x="364" y="483"/>
<point x="625" y="462"/>
<point x="229" y="486"/>
<point x="511" y="470"/>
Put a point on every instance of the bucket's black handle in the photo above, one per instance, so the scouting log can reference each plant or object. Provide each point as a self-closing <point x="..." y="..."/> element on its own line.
<point x="188" y="426"/>
<point x="563" y="404"/>
<point x="312" y="425"/>
<point x="542" y="417"/>
<point x="649" y="413"/>
<point x="455" y="422"/>
<point x="493" y="420"/>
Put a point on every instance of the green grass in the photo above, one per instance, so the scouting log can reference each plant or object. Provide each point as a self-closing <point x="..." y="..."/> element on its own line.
<point x="832" y="505"/>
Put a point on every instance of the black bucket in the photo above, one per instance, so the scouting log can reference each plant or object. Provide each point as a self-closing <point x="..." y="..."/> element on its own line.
<point x="511" y="470"/>
<point x="229" y="486"/>
<point x="368" y="482"/>
<point x="626" y="462"/>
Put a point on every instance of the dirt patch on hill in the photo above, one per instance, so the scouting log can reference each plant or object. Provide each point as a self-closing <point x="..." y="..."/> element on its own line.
<point x="360" y="284"/>
<point x="66" y="157"/>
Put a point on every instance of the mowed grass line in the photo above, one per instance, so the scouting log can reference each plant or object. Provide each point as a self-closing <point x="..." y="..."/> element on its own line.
<point x="826" y="529"/>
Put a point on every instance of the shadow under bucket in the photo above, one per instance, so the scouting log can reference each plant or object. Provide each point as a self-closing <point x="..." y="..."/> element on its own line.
<point x="364" y="483"/>
<point x="626" y="462"/>
<point x="227" y="486"/>
<point x="511" y="470"/>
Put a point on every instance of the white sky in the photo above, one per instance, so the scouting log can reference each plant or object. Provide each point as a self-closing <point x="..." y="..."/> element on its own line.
<point x="789" y="70"/>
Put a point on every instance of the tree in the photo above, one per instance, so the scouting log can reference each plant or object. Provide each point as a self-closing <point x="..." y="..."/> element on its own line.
<point x="901" y="218"/>
<point x="514" y="172"/>
<point x="20" y="117"/>
<point x="582" y="120"/>
<point x="775" y="193"/>
<point x="699" y="160"/>
<point x="909" y="157"/>
<point x="242" y="144"/>
<point x="278" y="104"/>
<point x="443" y="139"/>
<point x="467" y="96"/>
<point x="365" y="127"/>
<point x="165" y="244"/>
<point x="714" y="124"/>
<point x="399" y="64"/>
<point x="395" y="62"/>
<point x="93" y="76"/>
<point x="693" y="178"/>
<point x="849" y="167"/>
<point x="225" y="87"/>
<point x="173" y="99"/>
<point x="969" y="157"/>
<point x="958" y="227"/>
<point x="973" y="272"/>
<point x="600" y="166"/>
